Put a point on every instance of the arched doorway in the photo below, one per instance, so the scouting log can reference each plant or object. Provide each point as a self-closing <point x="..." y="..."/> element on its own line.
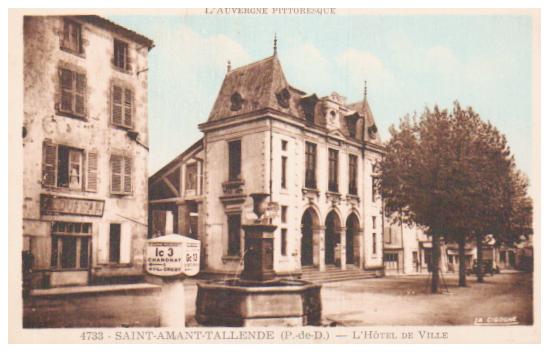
<point x="308" y="221"/>
<point x="332" y="237"/>
<point x="351" y="239"/>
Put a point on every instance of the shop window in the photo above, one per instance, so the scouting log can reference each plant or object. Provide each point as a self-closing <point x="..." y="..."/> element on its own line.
<point x="122" y="99"/>
<point x="121" y="175"/>
<point x="233" y="222"/>
<point x="72" y="92"/>
<point x="121" y="55"/>
<point x="114" y="243"/>
<point x="72" y="36"/>
<point x="70" y="246"/>
<point x="234" y="160"/>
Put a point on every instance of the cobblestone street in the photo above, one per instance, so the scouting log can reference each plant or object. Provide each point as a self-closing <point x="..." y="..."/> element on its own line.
<point x="384" y="301"/>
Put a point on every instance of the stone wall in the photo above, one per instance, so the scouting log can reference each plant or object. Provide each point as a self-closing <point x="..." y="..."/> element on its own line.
<point x="94" y="132"/>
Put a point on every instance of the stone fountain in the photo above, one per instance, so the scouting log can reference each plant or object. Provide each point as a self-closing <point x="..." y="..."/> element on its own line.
<point x="258" y="297"/>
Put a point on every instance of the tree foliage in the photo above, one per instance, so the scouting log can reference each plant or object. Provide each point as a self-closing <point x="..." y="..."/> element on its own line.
<point x="453" y="173"/>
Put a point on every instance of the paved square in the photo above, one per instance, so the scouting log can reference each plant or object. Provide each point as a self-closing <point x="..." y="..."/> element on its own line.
<point x="402" y="300"/>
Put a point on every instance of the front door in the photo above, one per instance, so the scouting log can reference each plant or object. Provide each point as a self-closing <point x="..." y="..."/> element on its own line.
<point x="307" y="240"/>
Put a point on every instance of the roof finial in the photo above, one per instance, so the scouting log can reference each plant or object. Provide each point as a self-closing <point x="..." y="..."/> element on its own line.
<point x="229" y="66"/>
<point x="365" y="89"/>
<point x="275" y="44"/>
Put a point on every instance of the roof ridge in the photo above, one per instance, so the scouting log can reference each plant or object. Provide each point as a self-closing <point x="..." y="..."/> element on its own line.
<point x="250" y="64"/>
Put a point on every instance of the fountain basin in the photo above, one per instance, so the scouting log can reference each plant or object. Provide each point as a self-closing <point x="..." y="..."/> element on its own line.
<point x="279" y="302"/>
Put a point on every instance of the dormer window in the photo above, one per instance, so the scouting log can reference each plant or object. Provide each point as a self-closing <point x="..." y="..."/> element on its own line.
<point x="283" y="98"/>
<point x="308" y="104"/>
<point x="236" y="101"/>
<point x="352" y="124"/>
<point x="372" y="130"/>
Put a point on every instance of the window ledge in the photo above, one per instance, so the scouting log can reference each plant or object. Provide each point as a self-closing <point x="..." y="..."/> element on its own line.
<point x="76" y="53"/>
<point x="71" y="191"/>
<point x="123" y="128"/>
<point x="121" y="70"/>
<point x="117" y="265"/>
<point x="306" y="190"/>
<point x="231" y="258"/>
<point x="83" y="118"/>
<point x="121" y="195"/>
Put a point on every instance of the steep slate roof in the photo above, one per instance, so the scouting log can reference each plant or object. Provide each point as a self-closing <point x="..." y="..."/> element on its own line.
<point x="363" y="108"/>
<point x="257" y="83"/>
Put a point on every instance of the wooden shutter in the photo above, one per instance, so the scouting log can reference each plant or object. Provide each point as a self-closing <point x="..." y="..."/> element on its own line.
<point x="127" y="62"/>
<point x="128" y="107"/>
<point x="103" y="243"/>
<point x="91" y="175"/>
<point x="49" y="164"/>
<point x="116" y="174"/>
<point x="80" y="94"/>
<point x="116" y="105"/>
<point x="127" y="175"/>
<point x="66" y="83"/>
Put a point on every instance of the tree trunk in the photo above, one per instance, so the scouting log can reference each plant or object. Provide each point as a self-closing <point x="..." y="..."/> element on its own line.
<point x="435" y="263"/>
<point x="480" y="265"/>
<point x="462" y="273"/>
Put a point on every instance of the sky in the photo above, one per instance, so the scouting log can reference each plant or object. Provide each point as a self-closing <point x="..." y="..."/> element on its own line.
<point x="408" y="61"/>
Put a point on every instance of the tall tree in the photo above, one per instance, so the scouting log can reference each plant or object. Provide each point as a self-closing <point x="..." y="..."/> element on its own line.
<point x="451" y="172"/>
<point x="416" y="177"/>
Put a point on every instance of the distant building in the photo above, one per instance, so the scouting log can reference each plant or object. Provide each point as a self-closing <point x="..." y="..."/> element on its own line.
<point x="313" y="155"/>
<point x="406" y="249"/>
<point x="85" y="145"/>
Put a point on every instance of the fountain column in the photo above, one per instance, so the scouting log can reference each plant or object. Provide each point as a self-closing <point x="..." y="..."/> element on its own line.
<point x="259" y="244"/>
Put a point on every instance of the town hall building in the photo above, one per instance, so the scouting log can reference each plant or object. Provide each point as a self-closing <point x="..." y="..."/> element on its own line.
<point x="313" y="155"/>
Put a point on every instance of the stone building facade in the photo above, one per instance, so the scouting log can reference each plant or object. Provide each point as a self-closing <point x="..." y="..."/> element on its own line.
<point x="85" y="149"/>
<point x="313" y="155"/>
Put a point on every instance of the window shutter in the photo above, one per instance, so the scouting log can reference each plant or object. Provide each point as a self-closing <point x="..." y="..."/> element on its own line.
<point x="80" y="94"/>
<point x="127" y="65"/>
<point x="116" y="105"/>
<point x="66" y="34"/>
<point x="49" y="164"/>
<point x="91" y="177"/>
<point x="103" y="243"/>
<point x="127" y="175"/>
<point x="126" y="243"/>
<point x="116" y="174"/>
<point x="66" y="81"/>
<point x="128" y="107"/>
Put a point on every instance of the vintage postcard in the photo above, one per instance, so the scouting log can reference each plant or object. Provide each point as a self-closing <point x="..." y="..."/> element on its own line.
<point x="268" y="175"/>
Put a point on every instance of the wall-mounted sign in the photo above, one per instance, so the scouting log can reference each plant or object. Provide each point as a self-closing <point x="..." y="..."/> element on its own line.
<point x="172" y="255"/>
<point x="56" y="205"/>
